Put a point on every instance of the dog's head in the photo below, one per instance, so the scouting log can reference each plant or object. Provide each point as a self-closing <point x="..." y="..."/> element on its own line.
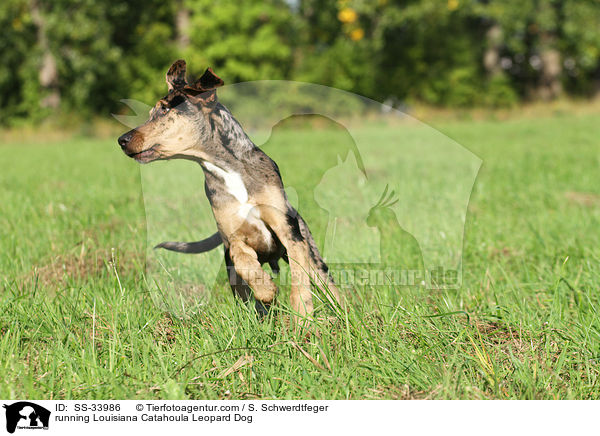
<point x="179" y="122"/>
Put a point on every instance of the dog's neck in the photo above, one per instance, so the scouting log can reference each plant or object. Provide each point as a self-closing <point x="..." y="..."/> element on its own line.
<point x="228" y="133"/>
<point x="221" y="140"/>
<point x="227" y="149"/>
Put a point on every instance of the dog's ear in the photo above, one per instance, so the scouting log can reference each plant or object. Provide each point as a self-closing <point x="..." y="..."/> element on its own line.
<point x="208" y="81"/>
<point x="204" y="89"/>
<point x="176" y="75"/>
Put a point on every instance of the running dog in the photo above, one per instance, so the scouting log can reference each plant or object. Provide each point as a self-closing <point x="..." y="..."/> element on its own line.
<point x="255" y="220"/>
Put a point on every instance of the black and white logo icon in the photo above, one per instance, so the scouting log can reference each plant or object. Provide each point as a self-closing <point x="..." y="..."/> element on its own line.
<point x="26" y="415"/>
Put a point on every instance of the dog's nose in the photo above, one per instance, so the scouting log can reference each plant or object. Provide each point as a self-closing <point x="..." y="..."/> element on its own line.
<point x="125" y="138"/>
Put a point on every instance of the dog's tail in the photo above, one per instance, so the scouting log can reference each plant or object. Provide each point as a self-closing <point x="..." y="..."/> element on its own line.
<point x="193" y="247"/>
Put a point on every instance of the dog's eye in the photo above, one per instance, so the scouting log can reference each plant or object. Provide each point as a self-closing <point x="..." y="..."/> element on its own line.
<point x="164" y="110"/>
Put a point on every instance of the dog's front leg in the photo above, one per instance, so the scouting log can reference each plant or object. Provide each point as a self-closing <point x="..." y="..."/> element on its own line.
<point x="238" y="285"/>
<point x="245" y="262"/>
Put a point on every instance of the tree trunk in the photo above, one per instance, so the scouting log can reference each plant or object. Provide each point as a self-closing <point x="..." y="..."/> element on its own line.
<point x="550" y="85"/>
<point x="48" y="71"/>
<point x="491" y="57"/>
<point x="182" y="25"/>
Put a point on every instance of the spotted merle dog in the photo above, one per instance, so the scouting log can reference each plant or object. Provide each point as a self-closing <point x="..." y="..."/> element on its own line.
<point x="255" y="220"/>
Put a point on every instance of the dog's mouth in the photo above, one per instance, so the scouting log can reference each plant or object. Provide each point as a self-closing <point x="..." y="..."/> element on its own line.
<point x="145" y="156"/>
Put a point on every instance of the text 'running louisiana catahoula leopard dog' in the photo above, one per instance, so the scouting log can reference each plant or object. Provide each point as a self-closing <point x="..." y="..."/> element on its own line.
<point x="255" y="221"/>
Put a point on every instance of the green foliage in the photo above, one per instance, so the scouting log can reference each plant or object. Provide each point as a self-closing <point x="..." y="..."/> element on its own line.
<point x="499" y="92"/>
<point x="108" y="51"/>
<point x="246" y="40"/>
<point x="581" y="44"/>
<point x="425" y="50"/>
<point x="18" y="78"/>
<point x="345" y="65"/>
<point x="104" y="51"/>
<point x="530" y="27"/>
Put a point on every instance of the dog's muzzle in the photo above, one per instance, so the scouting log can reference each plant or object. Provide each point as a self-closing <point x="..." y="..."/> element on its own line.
<point x="132" y="142"/>
<point x="125" y="139"/>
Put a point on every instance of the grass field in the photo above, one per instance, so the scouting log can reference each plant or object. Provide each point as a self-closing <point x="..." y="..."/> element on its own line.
<point x="77" y="322"/>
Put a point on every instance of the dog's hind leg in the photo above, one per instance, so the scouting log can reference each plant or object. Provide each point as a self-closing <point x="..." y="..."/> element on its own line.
<point x="247" y="267"/>
<point x="287" y="229"/>
<point x="274" y="266"/>
<point x="324" y="280"/>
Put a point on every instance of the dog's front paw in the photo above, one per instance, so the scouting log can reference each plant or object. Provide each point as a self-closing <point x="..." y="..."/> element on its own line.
<point x="262" y="309"/>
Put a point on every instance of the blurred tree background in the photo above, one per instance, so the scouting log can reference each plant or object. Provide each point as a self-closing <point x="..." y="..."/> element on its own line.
<point x="83" y="56"/>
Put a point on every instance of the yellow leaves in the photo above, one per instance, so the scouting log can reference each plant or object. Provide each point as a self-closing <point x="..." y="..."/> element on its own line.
<point x="357" y="34"/>
<point x="347" y="15"/>
<point x="452" y="5"/>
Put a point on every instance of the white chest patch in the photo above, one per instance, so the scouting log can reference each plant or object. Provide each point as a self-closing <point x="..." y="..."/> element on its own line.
<point x="235" y="186"/>
<point x="233" y="181"/>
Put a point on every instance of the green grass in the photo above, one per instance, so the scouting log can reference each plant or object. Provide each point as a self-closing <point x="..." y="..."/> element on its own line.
<point x="77" y="320"/>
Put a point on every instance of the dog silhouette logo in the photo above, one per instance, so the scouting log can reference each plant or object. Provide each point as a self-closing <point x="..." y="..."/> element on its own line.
<point x="26" y="415"/>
